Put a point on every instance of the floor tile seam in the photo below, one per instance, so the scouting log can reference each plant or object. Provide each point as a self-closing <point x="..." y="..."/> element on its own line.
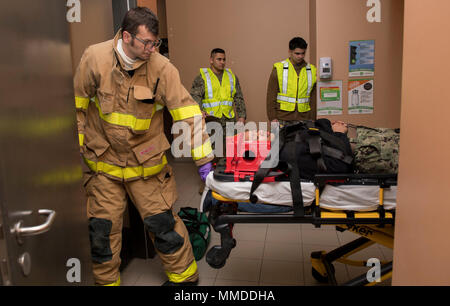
<point x="269" y="241"/>
<point x="263" y="251"/>
<point x="284" y="261"/>
<point x="258" y="282"/>
<point x="251" y="258"/>
<point x="284" y="284"/>
<point x="234" y="279"/>
<point x="297" y="244"/>
<point x="237" y="280"/>
<point x="139" y="275"/>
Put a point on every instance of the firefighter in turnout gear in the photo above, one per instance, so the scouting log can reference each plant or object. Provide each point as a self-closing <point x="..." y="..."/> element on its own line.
<point x="121" y="88"/>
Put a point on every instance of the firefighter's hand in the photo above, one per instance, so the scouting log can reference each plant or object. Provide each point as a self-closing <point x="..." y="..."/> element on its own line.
<point x="205" y="170"/>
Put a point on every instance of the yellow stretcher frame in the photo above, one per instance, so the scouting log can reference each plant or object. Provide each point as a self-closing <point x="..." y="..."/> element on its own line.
<point x="371" y="233"/>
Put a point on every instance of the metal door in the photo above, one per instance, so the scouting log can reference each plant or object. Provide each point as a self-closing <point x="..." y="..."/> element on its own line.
<point x="44" y="236"/>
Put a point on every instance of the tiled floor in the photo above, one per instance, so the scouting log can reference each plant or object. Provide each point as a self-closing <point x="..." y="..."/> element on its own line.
<point x="265" y="255"/>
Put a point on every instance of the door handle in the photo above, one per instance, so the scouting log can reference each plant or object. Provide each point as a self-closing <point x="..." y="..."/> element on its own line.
<point x="20" y="231"/>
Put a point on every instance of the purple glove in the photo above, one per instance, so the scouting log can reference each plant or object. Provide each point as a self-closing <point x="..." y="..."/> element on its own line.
<point x="204" y="170"/>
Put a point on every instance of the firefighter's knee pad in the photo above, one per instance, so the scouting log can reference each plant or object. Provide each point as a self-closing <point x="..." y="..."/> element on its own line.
<point x="167" y="240"/>
<point x="99" y="231"/>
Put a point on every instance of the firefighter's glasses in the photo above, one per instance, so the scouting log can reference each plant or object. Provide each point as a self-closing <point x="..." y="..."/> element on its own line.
<point x="151" y="43"/>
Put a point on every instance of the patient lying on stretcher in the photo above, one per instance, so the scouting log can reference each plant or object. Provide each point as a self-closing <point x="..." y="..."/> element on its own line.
<point x="309" y="167"/>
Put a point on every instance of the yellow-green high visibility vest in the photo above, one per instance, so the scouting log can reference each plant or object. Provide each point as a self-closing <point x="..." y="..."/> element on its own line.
<point x="295" y="89"/>
<point x="218" y="100"/>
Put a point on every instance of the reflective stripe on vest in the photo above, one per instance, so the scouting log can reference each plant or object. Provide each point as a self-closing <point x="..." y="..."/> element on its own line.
<point x="209" y="88"/>
<point x="230" y="77"/>
<point x="125" y="173"/>
<point x="310" y="80"/>
<point x="285" y="77"/>
<point x="292" y="100"/>
<point x="219" y="96"/>
<point x="179" y="278"/>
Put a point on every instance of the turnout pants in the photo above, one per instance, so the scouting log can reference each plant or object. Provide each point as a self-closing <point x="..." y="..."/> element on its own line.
<point x="153" y="198"/>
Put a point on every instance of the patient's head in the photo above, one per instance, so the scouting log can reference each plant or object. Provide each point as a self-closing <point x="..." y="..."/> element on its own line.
<point x="339" y="127"/>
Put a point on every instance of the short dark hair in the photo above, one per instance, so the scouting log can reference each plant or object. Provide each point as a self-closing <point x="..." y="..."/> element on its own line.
<point x="297" y="42"/>
<point x="217" y="50"/>
<point x="140" y="16"/>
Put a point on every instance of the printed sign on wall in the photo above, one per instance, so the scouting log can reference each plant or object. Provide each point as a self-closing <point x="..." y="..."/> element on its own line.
<point x="362" y="58"/>
<point x="329" y="98"/>
<point x="360" y="96"/>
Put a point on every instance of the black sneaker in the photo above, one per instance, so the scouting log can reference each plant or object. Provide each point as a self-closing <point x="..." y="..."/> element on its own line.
<point x="169" y="283"/>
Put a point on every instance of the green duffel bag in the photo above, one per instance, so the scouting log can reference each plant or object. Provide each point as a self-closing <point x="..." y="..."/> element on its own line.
<point x="199" y="230"/>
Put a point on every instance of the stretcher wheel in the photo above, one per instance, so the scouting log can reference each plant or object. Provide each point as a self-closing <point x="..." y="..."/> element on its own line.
<point x="217" y="256"/>
<point x="319" y="277"/>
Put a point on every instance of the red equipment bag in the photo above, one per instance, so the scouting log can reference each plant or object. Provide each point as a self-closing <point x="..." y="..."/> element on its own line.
<point x="244" y="154"/>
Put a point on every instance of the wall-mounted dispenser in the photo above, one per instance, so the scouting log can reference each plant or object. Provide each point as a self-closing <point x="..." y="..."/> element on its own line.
<point x="325" y="69"/>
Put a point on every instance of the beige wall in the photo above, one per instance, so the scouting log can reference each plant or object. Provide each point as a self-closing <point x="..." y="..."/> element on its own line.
<point x="249" y="32"/>
<point x="338" y="22"/>
<point x="254" y="41"/>
<point x="421" y="247"/>
<point x="159" y="8"/>
<point x="151" y="4"/>
<point x="96" y="26"/>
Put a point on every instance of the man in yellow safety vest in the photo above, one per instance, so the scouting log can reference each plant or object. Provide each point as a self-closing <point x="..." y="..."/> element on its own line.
<point x="291" y="89"/>
<point x="217" y="91"/>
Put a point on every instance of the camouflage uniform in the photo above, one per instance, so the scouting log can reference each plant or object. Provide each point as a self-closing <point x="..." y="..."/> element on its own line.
<point x="198" y="93"/>
<point x="376" y="150"/>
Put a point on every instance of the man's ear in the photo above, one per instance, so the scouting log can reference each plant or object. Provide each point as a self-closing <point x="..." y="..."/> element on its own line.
<point x="126" y="37"/>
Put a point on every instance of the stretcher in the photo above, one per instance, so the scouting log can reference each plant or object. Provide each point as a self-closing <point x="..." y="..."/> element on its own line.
<point x="362" y="204"/>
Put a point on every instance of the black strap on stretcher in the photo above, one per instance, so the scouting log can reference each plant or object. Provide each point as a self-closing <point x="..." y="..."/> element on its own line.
<point x="318" y="149"/>
<point x="291" y="170"/>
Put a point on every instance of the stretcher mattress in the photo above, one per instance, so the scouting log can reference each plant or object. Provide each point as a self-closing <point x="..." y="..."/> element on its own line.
<point x="340" y="197"/>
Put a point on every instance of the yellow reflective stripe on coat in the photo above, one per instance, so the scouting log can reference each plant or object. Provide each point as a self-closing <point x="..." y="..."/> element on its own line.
<point x="179" y="278"/>
<point x="185" y="112"/>
<point x="124" y="119"/>
<point x="202" y="151"/>
<point x="81" y="102"/>
<point x="81" y="139"/>
<point x="125" y="173"/>
<point x="115" y="284"/>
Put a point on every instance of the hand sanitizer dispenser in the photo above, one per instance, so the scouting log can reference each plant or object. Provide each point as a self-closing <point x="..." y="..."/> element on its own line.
<point x="325" y="71"/>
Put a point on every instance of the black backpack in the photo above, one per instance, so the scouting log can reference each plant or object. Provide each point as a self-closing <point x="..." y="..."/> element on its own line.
<point x="317" y="149"/>
<point x="306" y="149"/>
